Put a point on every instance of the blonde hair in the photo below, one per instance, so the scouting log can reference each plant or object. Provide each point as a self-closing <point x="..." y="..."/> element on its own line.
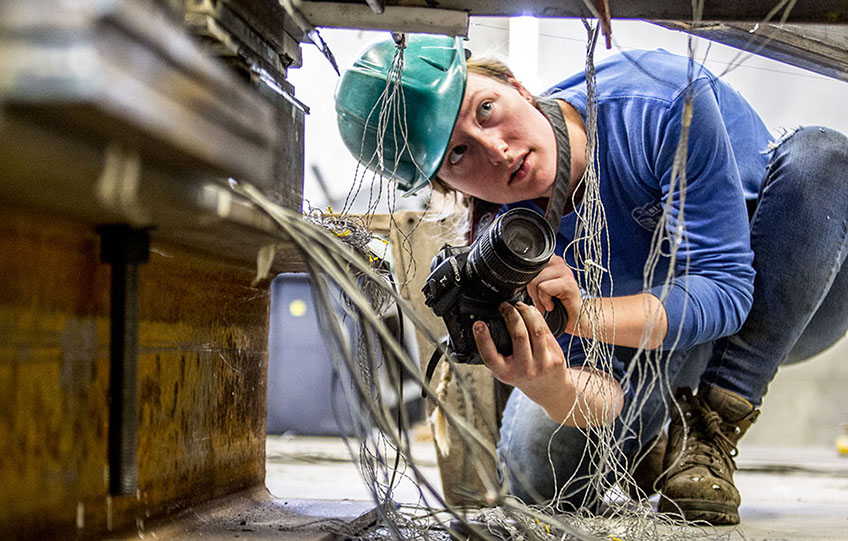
<point x="490" y="67"/>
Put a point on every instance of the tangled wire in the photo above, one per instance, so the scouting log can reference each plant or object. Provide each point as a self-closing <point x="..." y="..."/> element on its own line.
<point x="336" y="249"/>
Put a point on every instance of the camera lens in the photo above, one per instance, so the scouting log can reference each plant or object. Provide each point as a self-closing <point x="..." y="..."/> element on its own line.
<point x="523" y="240"/>
<point x="511" y="252"/>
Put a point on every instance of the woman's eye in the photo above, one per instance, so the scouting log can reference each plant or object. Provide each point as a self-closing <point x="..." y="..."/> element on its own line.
<point x="486" y="109"/>
<point x="456" y="154"/>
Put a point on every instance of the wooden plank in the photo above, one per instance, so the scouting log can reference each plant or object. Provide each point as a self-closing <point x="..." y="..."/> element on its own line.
<point x="414" y="243"/>
<point x="394" y="18"/>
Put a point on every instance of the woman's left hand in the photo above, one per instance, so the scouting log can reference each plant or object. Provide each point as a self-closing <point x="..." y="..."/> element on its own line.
<point x="537" y="363"/>
<point x="576" y="396"/>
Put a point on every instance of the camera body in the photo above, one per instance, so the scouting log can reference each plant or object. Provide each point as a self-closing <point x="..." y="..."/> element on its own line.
<point x="467" y="283"/>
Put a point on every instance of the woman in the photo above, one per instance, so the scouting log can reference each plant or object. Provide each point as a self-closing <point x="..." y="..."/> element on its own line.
<point x="759" y="230"/>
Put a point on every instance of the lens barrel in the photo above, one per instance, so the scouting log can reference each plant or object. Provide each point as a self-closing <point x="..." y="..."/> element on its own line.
<point x="514" y="249"/>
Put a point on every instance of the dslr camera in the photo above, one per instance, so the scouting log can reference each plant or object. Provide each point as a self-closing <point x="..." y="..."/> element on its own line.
<point x="468" y="283"/>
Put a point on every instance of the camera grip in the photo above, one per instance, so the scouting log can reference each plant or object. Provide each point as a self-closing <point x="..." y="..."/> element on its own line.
<point x="557" y="319"/>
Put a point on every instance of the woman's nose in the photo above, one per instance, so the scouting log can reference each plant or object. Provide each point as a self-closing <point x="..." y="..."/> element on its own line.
<point x="496" y="149"/>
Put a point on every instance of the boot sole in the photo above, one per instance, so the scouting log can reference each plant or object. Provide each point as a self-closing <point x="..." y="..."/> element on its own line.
<point x="714" y="513"/>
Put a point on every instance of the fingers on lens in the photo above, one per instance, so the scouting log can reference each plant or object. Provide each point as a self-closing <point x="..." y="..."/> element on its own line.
<point x="515" y="321"/>
<point x="485" y="344"/>
<point x="530" y="314"/>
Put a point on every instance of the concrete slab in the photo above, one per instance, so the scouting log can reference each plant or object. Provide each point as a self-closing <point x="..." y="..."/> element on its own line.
<point x="793" y="493"/>
<point x="254" y="514"/>
<point x="323" y="467"/>
<point x="797" y="494"/>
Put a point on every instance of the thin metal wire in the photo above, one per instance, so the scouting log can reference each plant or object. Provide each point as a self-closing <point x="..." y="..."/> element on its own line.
<point x="335" y="247"/>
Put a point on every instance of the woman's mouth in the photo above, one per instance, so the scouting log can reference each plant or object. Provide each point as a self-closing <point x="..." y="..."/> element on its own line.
<point x="520" y="169"/>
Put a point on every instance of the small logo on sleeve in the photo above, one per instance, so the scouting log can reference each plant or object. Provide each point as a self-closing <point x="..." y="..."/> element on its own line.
<point x="648" y="215"/>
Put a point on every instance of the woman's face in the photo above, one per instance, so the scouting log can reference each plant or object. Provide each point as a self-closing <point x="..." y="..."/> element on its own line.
<point x="502" y="149"/>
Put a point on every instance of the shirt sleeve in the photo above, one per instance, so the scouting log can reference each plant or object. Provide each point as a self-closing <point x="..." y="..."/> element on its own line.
<point x="711" y="290"/>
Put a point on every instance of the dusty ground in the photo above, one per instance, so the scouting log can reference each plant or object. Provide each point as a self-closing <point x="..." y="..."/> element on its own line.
<point x="788" y="494"/>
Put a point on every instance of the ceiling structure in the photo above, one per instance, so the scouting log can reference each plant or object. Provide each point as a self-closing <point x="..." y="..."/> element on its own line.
<point x="806" y="34"/>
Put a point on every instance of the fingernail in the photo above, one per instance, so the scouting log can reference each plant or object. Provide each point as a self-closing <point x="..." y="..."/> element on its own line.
<point x="478" y="327"/>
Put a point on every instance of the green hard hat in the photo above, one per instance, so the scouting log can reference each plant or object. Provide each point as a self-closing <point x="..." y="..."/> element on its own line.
<point x="432" y="85"/>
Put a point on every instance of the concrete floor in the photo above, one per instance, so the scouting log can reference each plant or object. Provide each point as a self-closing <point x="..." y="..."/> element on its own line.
<point x="795" y="494"/>
<point x="794" y="485"/>
<point x="321" y="468"/>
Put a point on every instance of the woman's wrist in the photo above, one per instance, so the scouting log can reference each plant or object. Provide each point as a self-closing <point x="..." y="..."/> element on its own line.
<point x="633" y="321"/>
<point x="586" y="397"/>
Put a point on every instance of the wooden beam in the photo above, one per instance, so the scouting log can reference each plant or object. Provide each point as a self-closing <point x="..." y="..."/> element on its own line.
<point x="821" y="49"/>
<point x="202" y="364"/>
<point x="805" y="11"/>
<point x="394" y="18"/>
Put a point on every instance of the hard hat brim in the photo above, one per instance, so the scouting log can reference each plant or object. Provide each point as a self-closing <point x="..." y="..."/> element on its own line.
<point x="402" y="130"/>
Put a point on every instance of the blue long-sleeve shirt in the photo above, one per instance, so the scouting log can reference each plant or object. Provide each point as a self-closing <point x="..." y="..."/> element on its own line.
<point x="640" y="98"/>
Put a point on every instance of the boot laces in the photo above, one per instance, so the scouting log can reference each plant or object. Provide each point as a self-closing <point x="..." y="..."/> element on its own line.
<point x="707" y="444"/>
<point x="713" y="422"/>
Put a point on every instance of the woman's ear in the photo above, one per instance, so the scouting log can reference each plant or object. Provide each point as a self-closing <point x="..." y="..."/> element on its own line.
<point x="513" y="82"/>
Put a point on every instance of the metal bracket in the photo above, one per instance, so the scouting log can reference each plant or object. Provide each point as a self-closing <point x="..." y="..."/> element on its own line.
<point x="293" y="9"/>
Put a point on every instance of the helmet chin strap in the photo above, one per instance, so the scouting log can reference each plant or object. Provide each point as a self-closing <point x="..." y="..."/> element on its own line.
<point x="559" y="197"/>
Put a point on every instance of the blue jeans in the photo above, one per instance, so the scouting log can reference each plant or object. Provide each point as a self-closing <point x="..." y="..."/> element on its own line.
<point x="799" y="235"/>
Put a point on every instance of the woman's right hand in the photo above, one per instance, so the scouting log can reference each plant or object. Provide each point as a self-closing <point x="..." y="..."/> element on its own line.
<point x="556" y="281"/>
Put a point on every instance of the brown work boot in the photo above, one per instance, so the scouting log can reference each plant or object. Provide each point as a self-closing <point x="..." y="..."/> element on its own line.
<point x="699" y="483"/>
<point x="649" y="466"/>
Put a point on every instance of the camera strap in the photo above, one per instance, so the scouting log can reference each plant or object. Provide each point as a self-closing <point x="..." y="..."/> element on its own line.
<point x="483" y="212"/>
<point x="559" y="197"/>
<point x="437" y="356"/>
